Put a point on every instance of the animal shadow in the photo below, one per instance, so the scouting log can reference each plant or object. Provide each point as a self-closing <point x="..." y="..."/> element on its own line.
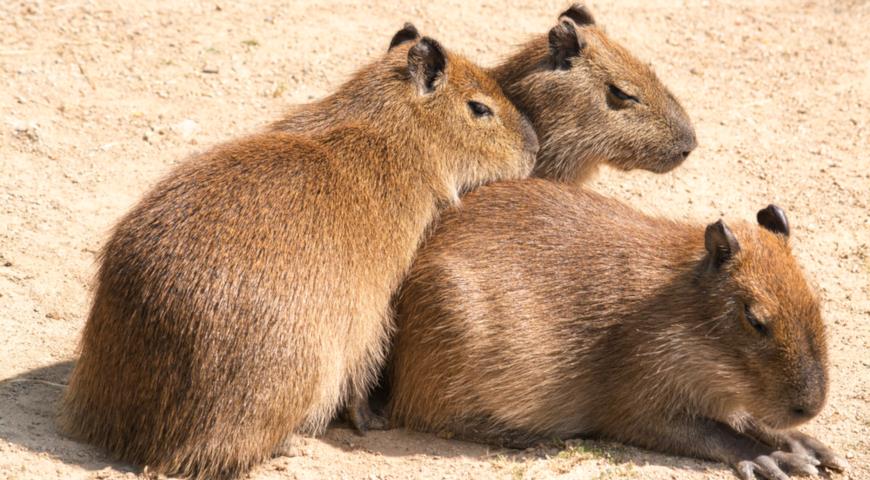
<point x="28" y="411"/>
<point x="29" y="402"/>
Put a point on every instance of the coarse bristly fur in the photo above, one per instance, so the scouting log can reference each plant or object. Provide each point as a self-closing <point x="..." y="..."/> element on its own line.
<point x="539" y="311"/>
<point x="246" y="297"/>
<point x="592" y="102"/>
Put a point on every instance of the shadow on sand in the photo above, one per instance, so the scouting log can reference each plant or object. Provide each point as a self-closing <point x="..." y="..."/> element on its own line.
<point x="28" y="405"/>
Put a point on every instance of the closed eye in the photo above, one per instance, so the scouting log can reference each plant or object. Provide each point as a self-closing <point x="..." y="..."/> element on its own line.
<point x="479" y="110"/>
<point x="753" y="321"/>
<point x="616" y="92"/>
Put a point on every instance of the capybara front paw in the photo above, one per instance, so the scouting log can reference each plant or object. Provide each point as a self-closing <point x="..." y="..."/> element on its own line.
<point x="775" y="466"/>
<point x="804" y="444"/>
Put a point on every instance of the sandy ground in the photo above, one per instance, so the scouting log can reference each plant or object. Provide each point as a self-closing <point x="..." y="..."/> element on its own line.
<point x="98" y="99"/>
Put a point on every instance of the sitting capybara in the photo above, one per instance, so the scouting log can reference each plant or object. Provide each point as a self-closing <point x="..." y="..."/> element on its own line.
<point x="246" y="297"/>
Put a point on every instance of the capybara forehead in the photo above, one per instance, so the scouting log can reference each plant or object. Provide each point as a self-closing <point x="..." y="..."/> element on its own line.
<point x="770" y="276"/>
<point x="469" y="76"/>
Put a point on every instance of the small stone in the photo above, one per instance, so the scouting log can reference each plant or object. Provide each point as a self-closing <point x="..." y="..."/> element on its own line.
<point x="28" y="130"/>
<point x="52" y="315"/>
<point x="186" y="129"/>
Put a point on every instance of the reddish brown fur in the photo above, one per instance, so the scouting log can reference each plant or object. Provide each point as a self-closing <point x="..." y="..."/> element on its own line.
<point x="579" y="122"/>
<point x="537" y="311"/>
<point x="246" y="297"/>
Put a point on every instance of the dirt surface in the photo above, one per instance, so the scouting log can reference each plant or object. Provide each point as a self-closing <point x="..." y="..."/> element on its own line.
<point x="98" y="99"/>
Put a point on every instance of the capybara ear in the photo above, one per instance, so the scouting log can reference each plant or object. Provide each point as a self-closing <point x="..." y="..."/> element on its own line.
<point x="426" y="63"/>
<point x="579" y="14"/>
<point x="564" y="44"/>
<point x="720" y="243"/>
<point x="408" y="33"/>
<point x="773" y="218"/>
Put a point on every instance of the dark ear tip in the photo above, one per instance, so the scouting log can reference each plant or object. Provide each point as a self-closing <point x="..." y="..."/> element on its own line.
<point x="406" y="34"/>
<point x="426" y="62"/>
<point x="429" y="43"/>
<point x="564" y="43"/>
<point x="434" y="43"/>
<point x="773" y="218"/>
<point x="720" y="242"/>
<point x="564" y="28"/>
<point x="717" y="226"/>
<point x="563" y="36"/>
<point x="579" y="14"/>
<point x="430" y="48"/>
<point x="712" y="231"/>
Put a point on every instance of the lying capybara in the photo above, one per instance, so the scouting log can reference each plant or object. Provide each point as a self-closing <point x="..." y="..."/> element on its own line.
<point x="537" y="312"/>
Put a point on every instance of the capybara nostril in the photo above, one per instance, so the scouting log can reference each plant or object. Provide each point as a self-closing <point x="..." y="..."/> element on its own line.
<point x="799" y="411"/>
<point x="804" y="412"/>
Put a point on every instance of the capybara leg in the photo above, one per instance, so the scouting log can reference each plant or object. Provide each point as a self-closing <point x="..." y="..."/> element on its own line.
<point x="292" y="445"/>
<point x="360" y="415"/>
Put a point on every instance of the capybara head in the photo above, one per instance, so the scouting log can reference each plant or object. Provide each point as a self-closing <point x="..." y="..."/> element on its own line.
<point x="591" y="101"/>
<point x="771" y="330"/>
<point x="461" y="113"/>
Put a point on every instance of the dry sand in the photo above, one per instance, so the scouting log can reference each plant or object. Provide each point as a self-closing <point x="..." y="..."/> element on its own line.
<point x="98" y="99"/>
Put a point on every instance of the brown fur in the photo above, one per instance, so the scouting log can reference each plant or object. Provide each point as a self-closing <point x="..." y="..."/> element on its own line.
<point x="246" y="297"/>
<point x="537" y="311"/>
<point x="581" y="124"/>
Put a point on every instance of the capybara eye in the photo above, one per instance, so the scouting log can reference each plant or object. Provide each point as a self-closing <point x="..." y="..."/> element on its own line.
<point x="753" y="320"/>
<point x="479" y="109"/>
<point x="616" y="92"/>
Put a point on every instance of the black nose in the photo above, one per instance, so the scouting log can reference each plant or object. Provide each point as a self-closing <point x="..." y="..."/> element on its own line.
<point x="809" y="399"/>
<point x="686" y="142"/>
<point x="690" y="143"/>
<point x="804" y="412"/>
